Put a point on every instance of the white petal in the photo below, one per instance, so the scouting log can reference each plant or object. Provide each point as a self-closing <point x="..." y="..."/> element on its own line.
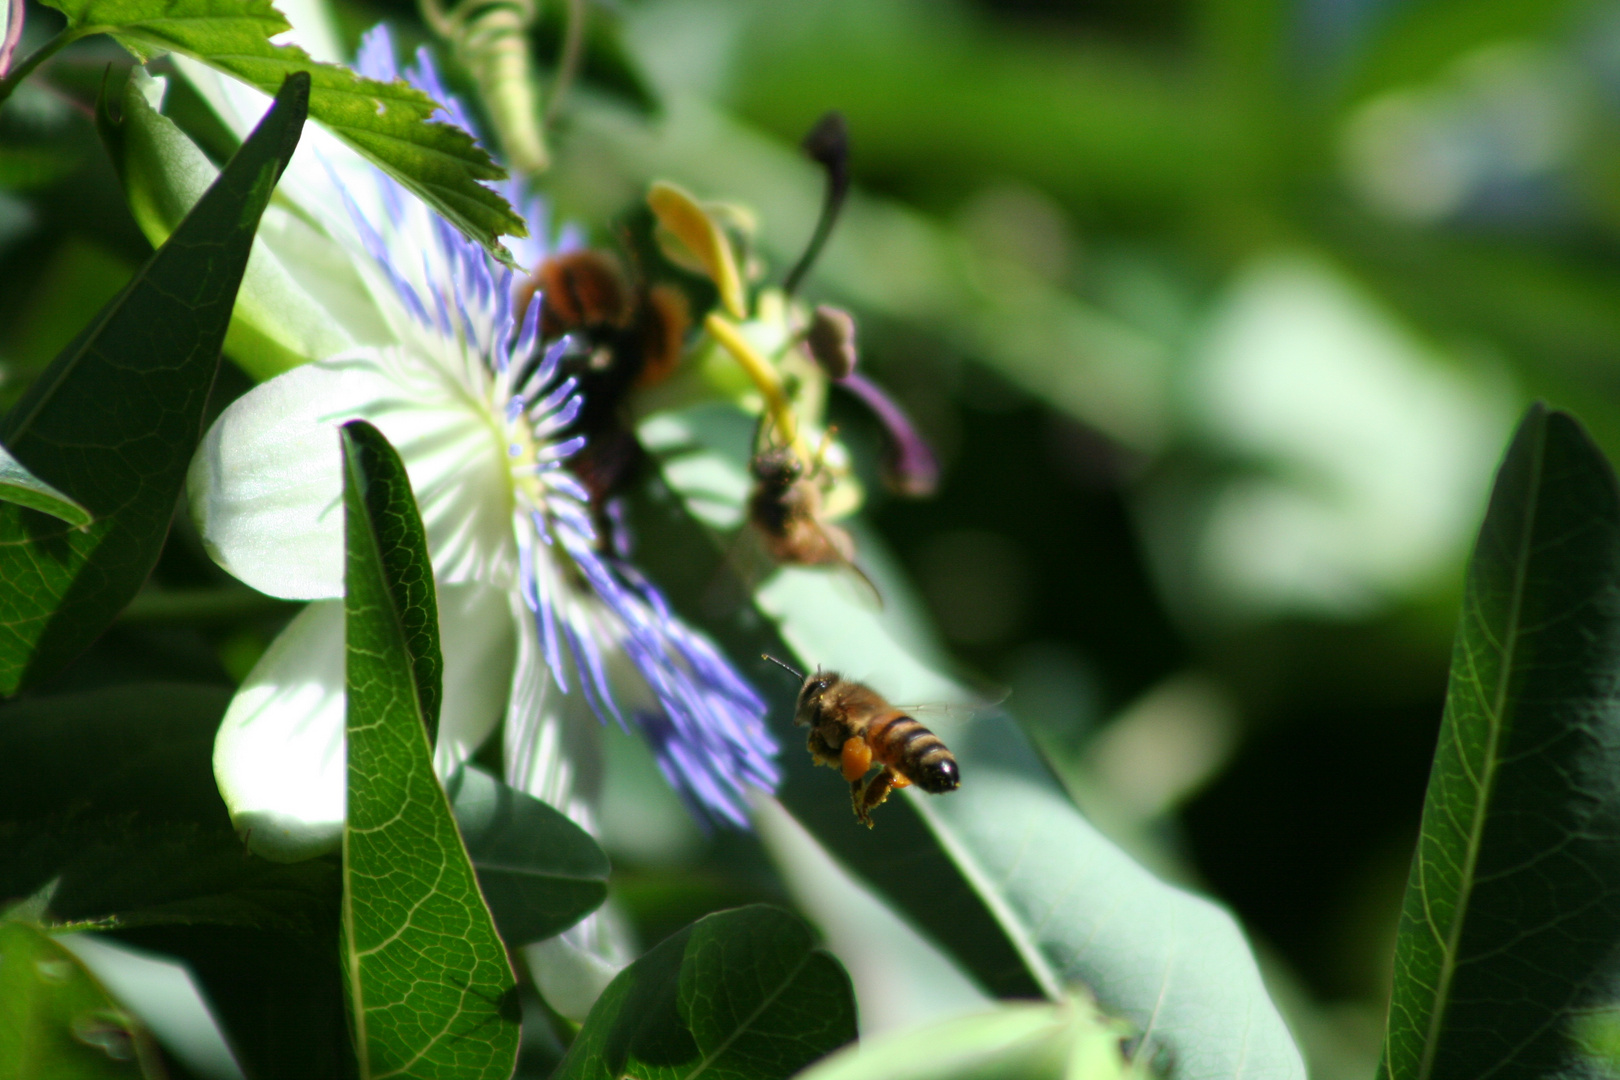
<point x="278" y="757"/>
<point x="312" y="28"/>
<point x="554" y="752"/>
<point x="266" y="485"/>
<point x="529" y="732"/>
<point x="476" y="636"/>
<point x="455" y="452"/>
<point x="553" y="740"/>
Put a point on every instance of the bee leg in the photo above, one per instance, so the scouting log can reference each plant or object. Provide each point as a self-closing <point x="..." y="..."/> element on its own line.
<point x="857" y="789"/>
<point x="820" y="751"/>
<point x="877" y="791"/>
<point x="820" y="459"/>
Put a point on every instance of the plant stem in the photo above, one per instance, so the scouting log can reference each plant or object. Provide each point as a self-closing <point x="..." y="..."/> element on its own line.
<point x="38" y="57"/>
<point x="568" y="62"/>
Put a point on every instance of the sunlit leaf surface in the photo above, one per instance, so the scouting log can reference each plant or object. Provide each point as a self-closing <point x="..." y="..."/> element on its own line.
<point x="57" y="1021"/>
<point x="387" y="122"/>
<point x="1506" y="960"/>
<point x="18" y="485"/>
<point x="1022" y="1041"/>
<point x="430" y="989"/>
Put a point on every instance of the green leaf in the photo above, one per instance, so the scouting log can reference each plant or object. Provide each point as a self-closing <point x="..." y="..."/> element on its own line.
<point x="1421" y="40"/>
<point x="277" y="322"/>
<point x="114" y="419"/>
<point x="1508" y="956"/>
<point x="1025" y="1041"/>
<point x="430" y="989"/>
<point x="110" y="794"/>
<point x="386" y="122"/>
<point x="742" y="993"/>
<point x="539" y="872"/>
<point x="57" y="1021"/>
<point x="1172" y="964"/>
<point x="410" y="606"/>
<point x="18" y="485"/>
<point x="35" y="168"/>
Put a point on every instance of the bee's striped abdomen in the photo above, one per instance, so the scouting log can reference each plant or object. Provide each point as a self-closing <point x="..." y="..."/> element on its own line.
<point x="913" y="751"/>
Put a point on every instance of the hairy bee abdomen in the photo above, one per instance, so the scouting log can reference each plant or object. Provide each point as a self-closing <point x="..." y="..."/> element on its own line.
<point x="915" y="752"/>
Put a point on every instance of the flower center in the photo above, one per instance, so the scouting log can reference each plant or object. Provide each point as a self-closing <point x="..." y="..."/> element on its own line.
<point x="523" y="460"/>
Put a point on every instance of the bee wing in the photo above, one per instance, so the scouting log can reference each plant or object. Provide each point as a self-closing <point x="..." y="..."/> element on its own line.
<point x="743" y="565"/>
<point x="956" y="710"/>
<point x="872" y="591"/>
<point x="841" y="548"/>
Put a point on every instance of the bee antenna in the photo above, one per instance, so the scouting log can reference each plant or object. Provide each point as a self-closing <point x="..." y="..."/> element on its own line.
<point x="780" y="664"/>
<point x="828" y="145"/>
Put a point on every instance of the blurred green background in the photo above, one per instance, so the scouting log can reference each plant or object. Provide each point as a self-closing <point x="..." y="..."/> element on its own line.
<point x="1220" y="314"/>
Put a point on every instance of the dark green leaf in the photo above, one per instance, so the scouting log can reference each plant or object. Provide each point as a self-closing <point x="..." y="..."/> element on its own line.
<point x="429" y="985"/>
<point x="539" y="872"/>
<point x="114" y="419"/>
<point x="1508" y="956"/>
<point x="738" y="994"/>
<point x="278" y="996"/>
<point x="57" y="1021"/>
<point x="961" y="865"/>
<point x="111" y="795"/>
<point x="387" y="122"/>
<point x="276" y="324"/>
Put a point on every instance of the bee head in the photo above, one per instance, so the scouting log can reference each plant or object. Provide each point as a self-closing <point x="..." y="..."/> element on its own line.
<point x="810" y="695"/>
<point x="779" y="467"/>
<point x="940" y="776"/>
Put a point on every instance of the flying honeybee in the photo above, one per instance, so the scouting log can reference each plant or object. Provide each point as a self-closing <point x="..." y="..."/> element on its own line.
<point x="853" y="728"/>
